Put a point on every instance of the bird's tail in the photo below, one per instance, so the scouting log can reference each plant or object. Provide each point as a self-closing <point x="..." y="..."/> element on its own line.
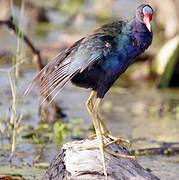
<point x="53" y="77"/>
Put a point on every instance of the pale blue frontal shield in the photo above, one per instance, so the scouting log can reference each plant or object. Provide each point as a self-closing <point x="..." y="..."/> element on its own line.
<point x="147" y="10"/>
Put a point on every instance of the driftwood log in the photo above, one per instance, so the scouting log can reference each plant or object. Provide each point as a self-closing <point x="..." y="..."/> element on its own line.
<point x="75" y="163"/>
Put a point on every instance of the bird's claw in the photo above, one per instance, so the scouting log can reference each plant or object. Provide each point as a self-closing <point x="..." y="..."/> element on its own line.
<point x="114" y="140"/>
<point x="119" y="141"/>
<point x="108" y="151"/>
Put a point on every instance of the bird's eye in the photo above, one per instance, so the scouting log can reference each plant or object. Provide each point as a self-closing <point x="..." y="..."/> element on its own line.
<point x="147" y="10"/>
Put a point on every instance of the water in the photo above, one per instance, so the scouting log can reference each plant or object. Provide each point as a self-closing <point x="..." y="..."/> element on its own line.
<point x="145" y="115"/>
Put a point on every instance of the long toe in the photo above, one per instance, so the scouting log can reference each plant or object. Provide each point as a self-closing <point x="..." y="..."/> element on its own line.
<point x="114" y="140"/>
<point x="110" y="152"/>
<point x="120" y="155"/>
<point x="119" y="140"/>
<point x="91" y="137"/>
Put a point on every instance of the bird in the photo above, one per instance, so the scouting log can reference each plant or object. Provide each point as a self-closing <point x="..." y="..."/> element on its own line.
<point x="96" y="62"/>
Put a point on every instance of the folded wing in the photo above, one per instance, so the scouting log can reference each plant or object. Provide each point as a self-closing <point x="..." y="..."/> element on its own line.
<point x="58" y="72"/>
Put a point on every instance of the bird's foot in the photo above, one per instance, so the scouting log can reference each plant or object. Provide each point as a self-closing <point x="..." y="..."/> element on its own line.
<point x="114" y="140"/>
<point x="120" y="155"/>
<point x="118" y="140"/>
<point x="110" y="152"/>
<point x="91" y="137"/>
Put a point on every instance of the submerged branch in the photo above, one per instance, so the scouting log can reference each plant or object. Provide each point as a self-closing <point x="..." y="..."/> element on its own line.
<point x="11" y="25"/>
<point x="37" y="58"/>
<point x="166" y="149"/>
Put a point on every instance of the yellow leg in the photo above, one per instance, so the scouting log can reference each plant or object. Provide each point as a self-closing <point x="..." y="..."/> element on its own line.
<point x="93" y="111"/>
<point x="89" y="102"/>
<point x="105" y="132"/>
<point x="90" y="106"/>
<point x="102" y="125"/>
<point x="101" y="130"/>
<point x="99" y="133"/>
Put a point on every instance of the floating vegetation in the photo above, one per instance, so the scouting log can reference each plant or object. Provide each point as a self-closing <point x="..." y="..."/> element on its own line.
<point x="107" y="106"/>
<point x="65" y="130"/>
<point x="24" y="172"/>
<point x="148" y="116"/>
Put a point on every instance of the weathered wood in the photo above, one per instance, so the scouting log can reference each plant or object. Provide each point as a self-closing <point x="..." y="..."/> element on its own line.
<point x="75" y="163"/>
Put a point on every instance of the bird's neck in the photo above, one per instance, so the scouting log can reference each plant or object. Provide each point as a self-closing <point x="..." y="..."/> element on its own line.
<point x="136" y="26"/>
<point x="139" y="32"/>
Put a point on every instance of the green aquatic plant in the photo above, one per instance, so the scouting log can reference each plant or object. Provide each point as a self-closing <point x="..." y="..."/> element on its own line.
<point x="63" y="131"/>
<point x="41" y="135"/>
<point x="15" y="116"/>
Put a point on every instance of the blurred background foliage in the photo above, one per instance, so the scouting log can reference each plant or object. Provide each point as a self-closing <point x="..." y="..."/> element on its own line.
<point x="53" y="25"/>
<point x="68" y="20"/>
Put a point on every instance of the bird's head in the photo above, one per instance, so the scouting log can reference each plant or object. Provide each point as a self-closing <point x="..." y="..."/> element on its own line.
<point x="144" y="15"/>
